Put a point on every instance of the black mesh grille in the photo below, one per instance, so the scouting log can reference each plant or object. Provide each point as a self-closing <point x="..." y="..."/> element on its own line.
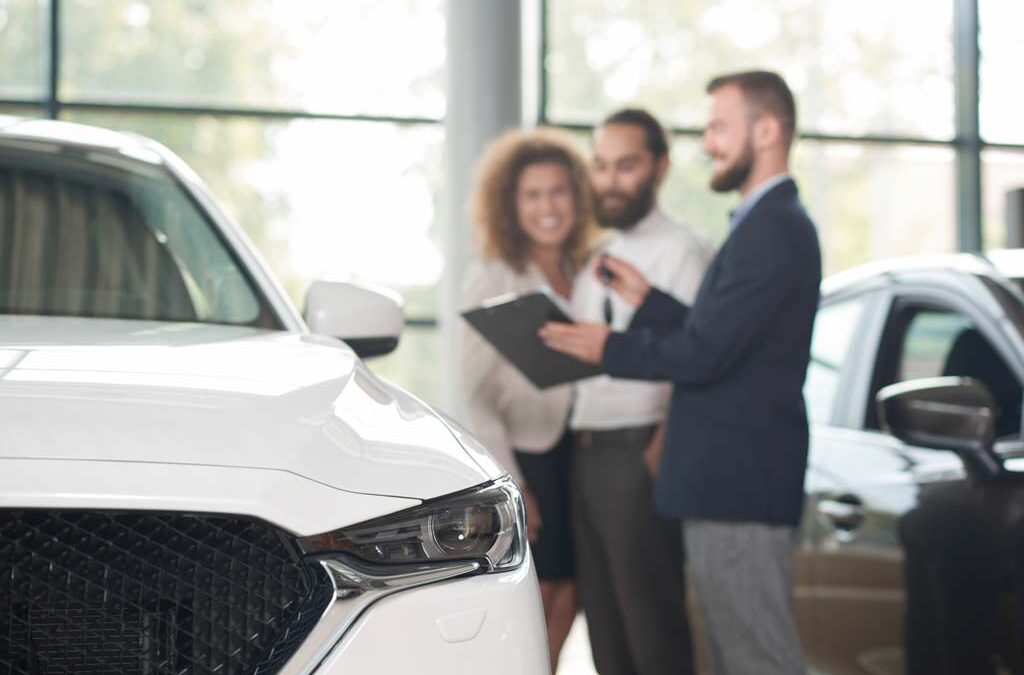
<point x="84" y="592"/>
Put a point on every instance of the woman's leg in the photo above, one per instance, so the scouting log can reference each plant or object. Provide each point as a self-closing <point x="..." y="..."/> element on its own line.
<point x="559" y="598"/>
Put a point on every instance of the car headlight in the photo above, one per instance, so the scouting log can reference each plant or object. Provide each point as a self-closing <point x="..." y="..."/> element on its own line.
<point x="484" y="526"/>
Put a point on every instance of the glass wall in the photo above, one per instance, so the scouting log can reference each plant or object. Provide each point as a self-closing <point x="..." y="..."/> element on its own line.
<point x="317" y="125"/>
<point x="874" y="83"/>
<point x="1003" y="171"/>
<point x="353" y="57"/>
<point x="321" y="198"/>
<point x="1001" y="38"/>
<point x="22" y="48"/>
<point x="873" y="66"/>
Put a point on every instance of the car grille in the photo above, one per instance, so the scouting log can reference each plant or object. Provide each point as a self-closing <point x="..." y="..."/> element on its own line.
<point x="85" y="592"/>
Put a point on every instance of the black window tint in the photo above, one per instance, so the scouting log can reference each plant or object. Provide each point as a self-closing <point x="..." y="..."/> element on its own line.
<point x="94" y="235"/>
<point x="940" y="342"/>
<point x="927" y="343"/>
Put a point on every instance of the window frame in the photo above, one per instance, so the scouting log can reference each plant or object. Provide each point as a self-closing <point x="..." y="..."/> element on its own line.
<point x="967" y="143"/>
<point x="52" y="105"/>
<point x="853" y="377"/>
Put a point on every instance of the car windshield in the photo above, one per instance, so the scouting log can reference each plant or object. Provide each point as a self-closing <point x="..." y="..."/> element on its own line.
<point x="100" y="234"/>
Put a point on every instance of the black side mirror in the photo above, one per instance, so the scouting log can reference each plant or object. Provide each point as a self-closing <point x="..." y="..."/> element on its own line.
<point x="945" y="413"/>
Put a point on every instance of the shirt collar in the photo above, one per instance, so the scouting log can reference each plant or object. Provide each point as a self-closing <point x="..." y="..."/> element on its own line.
<point x="748" y="203"/>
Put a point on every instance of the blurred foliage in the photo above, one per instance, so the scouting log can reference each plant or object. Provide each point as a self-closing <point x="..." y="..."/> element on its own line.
<point x="234" y="54"/>
<point x="851" y="75"/>
<point x="179" y="51"/>
<point x="856" y="68"/>
<point x="22" y="48"/>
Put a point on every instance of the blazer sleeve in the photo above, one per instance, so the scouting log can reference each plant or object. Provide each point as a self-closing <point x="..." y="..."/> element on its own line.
<point x="664" y="310"/>
<point x="756" y="280"/>
<point x="659" y="312"/>
<point x="479" y="365"/>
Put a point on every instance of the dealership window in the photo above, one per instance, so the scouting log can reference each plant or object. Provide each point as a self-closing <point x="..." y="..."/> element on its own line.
<point x="870" y="67"/>
<point x="282" y="106"/>
<point x="875" y="84"/>
<point x="22" y="49"/>
<point x="1001" y="43"/>
<point x="318" y="137"/>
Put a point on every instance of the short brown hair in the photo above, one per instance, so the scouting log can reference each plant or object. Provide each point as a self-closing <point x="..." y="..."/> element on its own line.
<point x="766" y="92"/>
<point x="494" y="198"/>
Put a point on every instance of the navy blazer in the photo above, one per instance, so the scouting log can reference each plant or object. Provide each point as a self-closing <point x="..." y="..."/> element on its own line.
<point x="736" y="436"/>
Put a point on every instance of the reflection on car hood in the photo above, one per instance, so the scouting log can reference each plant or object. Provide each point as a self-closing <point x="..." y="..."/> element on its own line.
<point x="93" y="389"/>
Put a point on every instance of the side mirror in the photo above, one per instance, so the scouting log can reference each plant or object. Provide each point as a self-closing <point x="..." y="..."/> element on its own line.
<point x="369" y="319"/>
<point x="945" y="413"/>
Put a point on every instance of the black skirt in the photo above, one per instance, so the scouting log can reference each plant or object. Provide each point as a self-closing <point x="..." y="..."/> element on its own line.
<point x="547" y="477"/>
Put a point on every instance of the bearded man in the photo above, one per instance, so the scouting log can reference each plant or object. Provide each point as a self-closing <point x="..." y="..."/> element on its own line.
<point x="630" y="559"/>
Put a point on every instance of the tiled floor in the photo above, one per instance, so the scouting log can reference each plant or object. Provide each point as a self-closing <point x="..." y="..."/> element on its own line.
<point x="575" y="658"/>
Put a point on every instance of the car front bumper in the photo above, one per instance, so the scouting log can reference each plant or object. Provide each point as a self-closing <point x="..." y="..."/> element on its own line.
<point x="489" y="623"/>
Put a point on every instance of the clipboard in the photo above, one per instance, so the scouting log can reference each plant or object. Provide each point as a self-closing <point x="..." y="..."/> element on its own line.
<point x="510" y="324"/>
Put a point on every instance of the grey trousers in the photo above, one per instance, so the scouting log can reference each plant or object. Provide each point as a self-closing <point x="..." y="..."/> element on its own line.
<point x="629" y="560"/>
<point x="743" y="577"/>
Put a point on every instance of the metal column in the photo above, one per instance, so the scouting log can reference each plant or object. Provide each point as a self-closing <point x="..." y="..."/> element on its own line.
<point x="484" y="98"/>
<point x="968" y="136"/>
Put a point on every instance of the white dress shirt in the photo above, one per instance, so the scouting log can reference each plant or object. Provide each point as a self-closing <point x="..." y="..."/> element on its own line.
<point x="673" y="257"/>
<point x="505" y="410"/>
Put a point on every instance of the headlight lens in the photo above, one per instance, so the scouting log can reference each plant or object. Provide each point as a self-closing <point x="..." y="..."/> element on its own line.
<point x="485" y="524"/>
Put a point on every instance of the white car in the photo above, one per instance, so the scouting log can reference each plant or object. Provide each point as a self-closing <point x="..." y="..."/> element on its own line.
<point x="193" y="479"/>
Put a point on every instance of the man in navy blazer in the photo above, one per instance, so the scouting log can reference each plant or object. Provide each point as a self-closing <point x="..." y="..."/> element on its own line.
<point x="736" y="441"/>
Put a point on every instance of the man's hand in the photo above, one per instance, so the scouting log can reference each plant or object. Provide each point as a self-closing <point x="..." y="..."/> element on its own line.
<point x="652" y="453"/>
<point x="626" y="280"/>
<point x="585" y="341"/>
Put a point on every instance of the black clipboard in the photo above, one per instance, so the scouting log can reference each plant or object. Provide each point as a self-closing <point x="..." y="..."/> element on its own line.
<point x="511" y="325"/>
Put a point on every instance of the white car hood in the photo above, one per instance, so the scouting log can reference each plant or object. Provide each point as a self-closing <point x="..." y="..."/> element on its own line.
<point x="190" y="394"/>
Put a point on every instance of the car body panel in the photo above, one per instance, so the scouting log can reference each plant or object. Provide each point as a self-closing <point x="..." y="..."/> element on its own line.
<point x="220" y="396"/>
<point x="298" y="505"/>
<point x="455" y="627"/>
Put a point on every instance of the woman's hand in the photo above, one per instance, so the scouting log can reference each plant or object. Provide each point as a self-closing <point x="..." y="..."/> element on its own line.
<point x="626" y="280"/>
<point x="533" y="519"/>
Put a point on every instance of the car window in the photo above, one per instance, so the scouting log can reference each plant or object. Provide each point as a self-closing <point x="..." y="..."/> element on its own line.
<point x="937" y="342"/>
<point x="928" y="341"/>
<point x="834" y="328"/>
<point x="84" y="234"/>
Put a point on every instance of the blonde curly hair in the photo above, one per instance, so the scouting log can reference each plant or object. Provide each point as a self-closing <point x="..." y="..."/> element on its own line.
<point x="493" y="205"/>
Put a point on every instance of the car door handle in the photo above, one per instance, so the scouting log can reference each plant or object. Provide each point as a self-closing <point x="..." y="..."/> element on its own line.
<point x="845" y="512"/>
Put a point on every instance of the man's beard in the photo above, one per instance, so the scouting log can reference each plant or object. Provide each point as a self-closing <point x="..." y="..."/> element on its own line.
<point x="632" y="210"/>
<point x="734" y="175"/>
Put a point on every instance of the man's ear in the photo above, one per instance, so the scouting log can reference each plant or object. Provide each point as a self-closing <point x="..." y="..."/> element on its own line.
<point x="767" y="131"/>
<point x="661" y="168"/>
